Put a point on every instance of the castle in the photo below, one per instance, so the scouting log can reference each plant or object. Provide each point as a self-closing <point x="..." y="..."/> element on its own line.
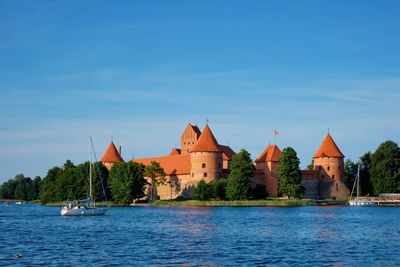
<point x="201" y="157"/>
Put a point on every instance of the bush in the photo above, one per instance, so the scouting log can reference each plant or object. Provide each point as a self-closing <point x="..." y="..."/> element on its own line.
<point x="219" y="188"/>
<point x="203" y="191"/>
<point x="259" y="192"/>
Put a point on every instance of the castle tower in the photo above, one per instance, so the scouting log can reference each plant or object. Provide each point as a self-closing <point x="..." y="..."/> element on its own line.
<point x="206" y="157"/>
<point x="268" y="162"/>
<point x="111" y="156"/>
<point x="189" y="138"/>
<point x="328" y="161"/>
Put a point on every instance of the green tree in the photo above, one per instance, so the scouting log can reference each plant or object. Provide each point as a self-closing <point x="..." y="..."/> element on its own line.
<point x="48" y="190"/>
<point x="36" y="185"/>
<point x="290" y="174"/>
<point x="239" y="181"/>
<point x="219" y="188"/>
<point x="365" y="176"/>
<point x="203" y="191"/>
<point x="126" y="182"/>
<point x="7" y="189"/>
<point x="350" y="172"/>
<point x="385" y="168"/>
<point x="310" y="167"/>
<point x="156" y="175"/>
<point x="259" y="192"/>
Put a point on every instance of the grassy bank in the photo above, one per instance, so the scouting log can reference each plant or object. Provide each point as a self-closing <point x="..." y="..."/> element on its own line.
<point x="239" y="203"/>
<point x="11" y="200"/>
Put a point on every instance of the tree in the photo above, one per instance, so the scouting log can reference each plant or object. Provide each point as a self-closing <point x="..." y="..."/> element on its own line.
<point x="203" y="191"/>
<point x="126" y="182"/>
<point x="385" y="168"/>
<point x="310" y="167"/>
<point x="259" y="192"/>
<point x="156" y="175"/>
<point x="365" y="176"/>
<point x="239" y="181"/>
<point x="350" y="172"/>
<point x="290" y="174"/>
<point x="48" y="190"/>
<point x="7" y="189"/>
<point x="219" y="188"/>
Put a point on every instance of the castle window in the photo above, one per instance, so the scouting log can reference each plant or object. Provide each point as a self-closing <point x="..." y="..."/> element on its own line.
<point x="205" y="174"/>
<point x="329" y="168"/>
<point x="320" y="168"/>
<point x="203" y="165"/>
<point x="188" y="150"/>
<point x="333" y="176"/>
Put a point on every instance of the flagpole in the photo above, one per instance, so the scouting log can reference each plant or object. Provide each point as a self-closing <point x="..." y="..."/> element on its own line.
<point x="274" y="137"/>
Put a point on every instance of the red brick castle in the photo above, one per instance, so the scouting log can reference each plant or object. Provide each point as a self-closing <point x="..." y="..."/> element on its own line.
<point x="201" y="157"/>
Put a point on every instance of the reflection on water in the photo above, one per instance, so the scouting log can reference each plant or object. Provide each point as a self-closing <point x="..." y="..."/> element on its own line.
<point x="306" y="236"/>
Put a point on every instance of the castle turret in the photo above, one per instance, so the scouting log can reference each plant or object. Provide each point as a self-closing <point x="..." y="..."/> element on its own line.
<point x="189" y="138"/>
<point x="206" y="157"/>
<point x="111" y="156"/>
<point x="268" y="163"/>
<point x="329" y="166"/>
<point x="328" y="161"/>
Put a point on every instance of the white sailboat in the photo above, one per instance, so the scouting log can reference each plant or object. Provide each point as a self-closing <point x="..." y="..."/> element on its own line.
<point x="77" y="207"/>
<point x="357" y="201"/>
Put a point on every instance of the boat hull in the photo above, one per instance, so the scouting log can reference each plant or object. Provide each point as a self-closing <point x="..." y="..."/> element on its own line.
<point x="361" y="203"/>
<point x="83" y="211"/>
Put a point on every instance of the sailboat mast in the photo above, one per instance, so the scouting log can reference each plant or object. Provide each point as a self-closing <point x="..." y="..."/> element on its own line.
<point x="90" y="170"/>
<point x="358" y="180"/>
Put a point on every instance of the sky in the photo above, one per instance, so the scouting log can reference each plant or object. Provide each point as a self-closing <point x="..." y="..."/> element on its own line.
<point x="140" y="71"/>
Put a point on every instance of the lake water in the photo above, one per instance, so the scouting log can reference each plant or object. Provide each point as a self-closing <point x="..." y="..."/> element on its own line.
<point x="170" y="236"/>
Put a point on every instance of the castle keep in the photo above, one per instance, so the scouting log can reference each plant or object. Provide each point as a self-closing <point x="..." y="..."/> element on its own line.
<point x="201" y="157"/>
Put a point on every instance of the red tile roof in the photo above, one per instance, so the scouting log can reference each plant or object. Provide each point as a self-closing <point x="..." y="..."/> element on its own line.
<point x="227" y="152"/>
<point x="111" y="154"/>
<point x="271" y="153"/>
<point x="328" y="148"/>
<point x="175" y="151"/>
<point x="175" y="164"/>
<point x="194" y="128"/>
<point x="206" y="142"/>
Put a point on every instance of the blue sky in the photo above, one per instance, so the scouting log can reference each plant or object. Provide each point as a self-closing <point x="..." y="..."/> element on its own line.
<point x="141" y="70"/>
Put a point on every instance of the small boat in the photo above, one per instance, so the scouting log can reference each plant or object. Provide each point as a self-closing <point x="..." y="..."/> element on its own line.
<point x="18" y="203"/>
<point x="78" y="207"/>
<point x="358" y="201"/>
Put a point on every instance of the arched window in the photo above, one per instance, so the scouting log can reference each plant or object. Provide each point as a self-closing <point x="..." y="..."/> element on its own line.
<point x="203" y="165"/>
<point x="205" y="174"/>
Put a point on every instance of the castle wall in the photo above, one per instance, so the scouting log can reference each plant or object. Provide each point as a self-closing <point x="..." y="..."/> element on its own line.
<point x="206" y="166"/>
<point x="329" y="168"/>
<point x="270" y="178"/>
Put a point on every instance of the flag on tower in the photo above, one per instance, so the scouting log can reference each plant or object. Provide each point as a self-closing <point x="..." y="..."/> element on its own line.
<point x="276" y="133"/>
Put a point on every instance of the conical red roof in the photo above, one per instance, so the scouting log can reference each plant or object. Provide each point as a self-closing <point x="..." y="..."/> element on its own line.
<point x="271" y="153"/>
<point x="111" y="154"/>
<point x="328" y="148"/>
<point x="206" y="142"/>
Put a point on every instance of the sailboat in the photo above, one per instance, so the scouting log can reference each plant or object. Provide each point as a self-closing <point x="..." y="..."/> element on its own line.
<point x="78" y="207"/>
<point x="357" y="201"/>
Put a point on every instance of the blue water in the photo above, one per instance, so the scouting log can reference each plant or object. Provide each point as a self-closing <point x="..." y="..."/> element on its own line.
<point x="170" y="236"/>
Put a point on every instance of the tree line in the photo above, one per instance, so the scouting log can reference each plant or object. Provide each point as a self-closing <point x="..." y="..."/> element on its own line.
<point x="21" y="188"/>
<point x="122" y="184"/>
<point x="379" y="171"/>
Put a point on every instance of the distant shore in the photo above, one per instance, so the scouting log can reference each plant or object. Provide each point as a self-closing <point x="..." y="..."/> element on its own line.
<point x="213" y="203"/>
